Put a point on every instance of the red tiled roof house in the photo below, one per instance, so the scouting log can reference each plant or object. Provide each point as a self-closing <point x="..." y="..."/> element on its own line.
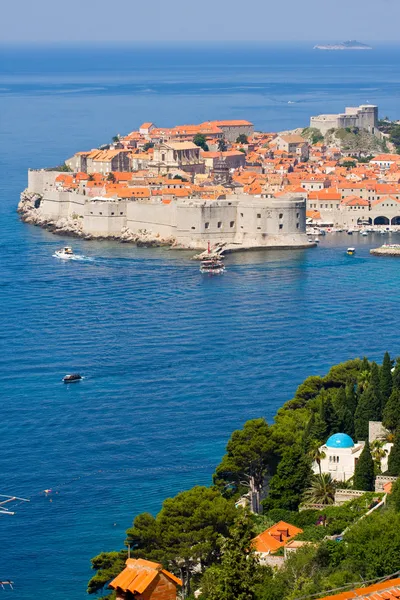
<point x="145" y="580"/>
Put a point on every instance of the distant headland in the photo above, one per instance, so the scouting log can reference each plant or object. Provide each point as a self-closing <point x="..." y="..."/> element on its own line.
<point x="349" y="45"/>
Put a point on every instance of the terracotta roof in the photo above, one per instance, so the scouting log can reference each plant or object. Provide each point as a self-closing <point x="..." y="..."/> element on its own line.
<point x="387" y="590"/>
<point x="354" y="201"/>
<point x="385" y="199"/>
<point x="139" y="574"/>
<point x="181" y="145"/>
<point x="146" y="125"/>
<point x="386" y="157"/>
<point x="275" y="537"/>
<point x="228" y="123"/>
<point x="313" y="214"/>
<point x="293" y="139"/>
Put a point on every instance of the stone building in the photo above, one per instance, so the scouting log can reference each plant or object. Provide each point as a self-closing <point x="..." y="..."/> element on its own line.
<point x="292" y="144"/>
<point x="231" y="129"/>
<point x="232" y="159"/>
<point x="169" y="156"/>
<point x="100" y="161"/>
<point x="363" y="117"/>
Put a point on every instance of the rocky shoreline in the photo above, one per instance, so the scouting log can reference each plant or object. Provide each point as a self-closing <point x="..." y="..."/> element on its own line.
<point x="29" y="211"/>
<point x="386" y="250"/>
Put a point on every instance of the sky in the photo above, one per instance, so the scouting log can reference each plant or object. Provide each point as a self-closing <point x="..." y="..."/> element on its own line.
<point x="48" y="21"/>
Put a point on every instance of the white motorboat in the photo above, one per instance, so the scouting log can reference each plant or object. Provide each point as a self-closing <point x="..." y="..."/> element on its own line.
<point x="364" y="233"/>
<point x="65" y="253"/>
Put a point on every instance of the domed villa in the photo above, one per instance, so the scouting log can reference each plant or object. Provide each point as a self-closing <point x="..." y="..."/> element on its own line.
<point x="341" y="455"/>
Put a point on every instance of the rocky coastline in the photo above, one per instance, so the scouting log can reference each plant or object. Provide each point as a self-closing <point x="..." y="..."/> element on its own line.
<point x="29" y="211"/>
<point x="386" y="250"/>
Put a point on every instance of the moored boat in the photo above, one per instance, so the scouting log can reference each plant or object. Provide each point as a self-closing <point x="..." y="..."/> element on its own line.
<point x="72" y="378"/>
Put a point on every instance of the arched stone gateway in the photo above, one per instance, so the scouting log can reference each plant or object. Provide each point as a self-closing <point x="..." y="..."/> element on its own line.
<point x="395" y="221"/>
<point x="381" y="221"/>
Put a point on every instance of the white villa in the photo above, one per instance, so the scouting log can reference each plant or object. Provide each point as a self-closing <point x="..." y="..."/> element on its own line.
<point x="341" y="456"/>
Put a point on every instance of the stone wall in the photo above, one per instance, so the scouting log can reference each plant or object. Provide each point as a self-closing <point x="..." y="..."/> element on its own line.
<point x="342" y="496"/>
<point x="381" y="480"/>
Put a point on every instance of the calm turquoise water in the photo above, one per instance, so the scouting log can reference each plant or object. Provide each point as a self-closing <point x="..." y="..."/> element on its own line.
<point x="173" y="361"/>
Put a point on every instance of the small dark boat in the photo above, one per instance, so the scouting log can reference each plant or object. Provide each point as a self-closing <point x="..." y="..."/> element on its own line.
<point x="72" y="378"/>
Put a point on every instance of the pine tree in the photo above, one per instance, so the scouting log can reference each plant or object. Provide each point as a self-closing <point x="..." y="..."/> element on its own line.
<point x="368" y="409"/>
<point x="391" y="412"/>
<point x="386" y="382"/>
<point x="364" y="471"/>
<point x="235" y="578"/>
<point x="291" y="479"/>
<point x="394" y="456"/>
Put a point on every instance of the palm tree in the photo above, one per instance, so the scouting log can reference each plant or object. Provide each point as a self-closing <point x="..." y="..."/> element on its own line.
<point x="378" y="452"/>
<point x="321" y="490"/>
<point x="363" y="380"/>
<point x="317" y="454"/>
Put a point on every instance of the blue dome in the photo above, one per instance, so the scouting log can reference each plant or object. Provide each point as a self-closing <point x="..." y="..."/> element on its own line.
<point x="340" y="440"/>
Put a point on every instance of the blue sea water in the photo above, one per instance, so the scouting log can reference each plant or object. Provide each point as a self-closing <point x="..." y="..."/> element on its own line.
<point x="173" y="361"/>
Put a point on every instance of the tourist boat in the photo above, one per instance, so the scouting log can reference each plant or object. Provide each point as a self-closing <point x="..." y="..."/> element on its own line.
<point x="364" y="233"/>
<point x="316" y="240"/>
<point x="212" y="266"/>
<point x="72" y="378"/>
<point x="65" y="253"/>
<point x="351" y="251"/>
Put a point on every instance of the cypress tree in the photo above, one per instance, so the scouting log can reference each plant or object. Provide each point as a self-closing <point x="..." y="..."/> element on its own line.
<point x="396" y="374"/>
<point x="364" y="471"/>
<point x="340" y="401"/>
<point x="351" y="397"/>
<point x="386" y="382"/>
<point x="328" y="416"/>
<point x="365" y="366"/>
<point x="368" y="409"/>
<point x="375" y="384"/>
<point x="391" y="412"/>
<point x="345" y="415"/>
<point x="394" y="456"/>
<point x="347" y="423"/>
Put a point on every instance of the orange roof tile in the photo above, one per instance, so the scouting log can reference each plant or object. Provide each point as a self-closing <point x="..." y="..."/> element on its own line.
<point x="139" y="574"/>
<point x="275" y="537"/>
<point x="386" y="590"/>
<point x="354" y="201"/>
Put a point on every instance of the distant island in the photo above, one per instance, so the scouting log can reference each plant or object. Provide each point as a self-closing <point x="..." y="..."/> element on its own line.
<point x="349" y="45"/>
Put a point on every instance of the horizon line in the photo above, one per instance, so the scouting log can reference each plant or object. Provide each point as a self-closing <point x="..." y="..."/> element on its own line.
<point x="5" y="43"/>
